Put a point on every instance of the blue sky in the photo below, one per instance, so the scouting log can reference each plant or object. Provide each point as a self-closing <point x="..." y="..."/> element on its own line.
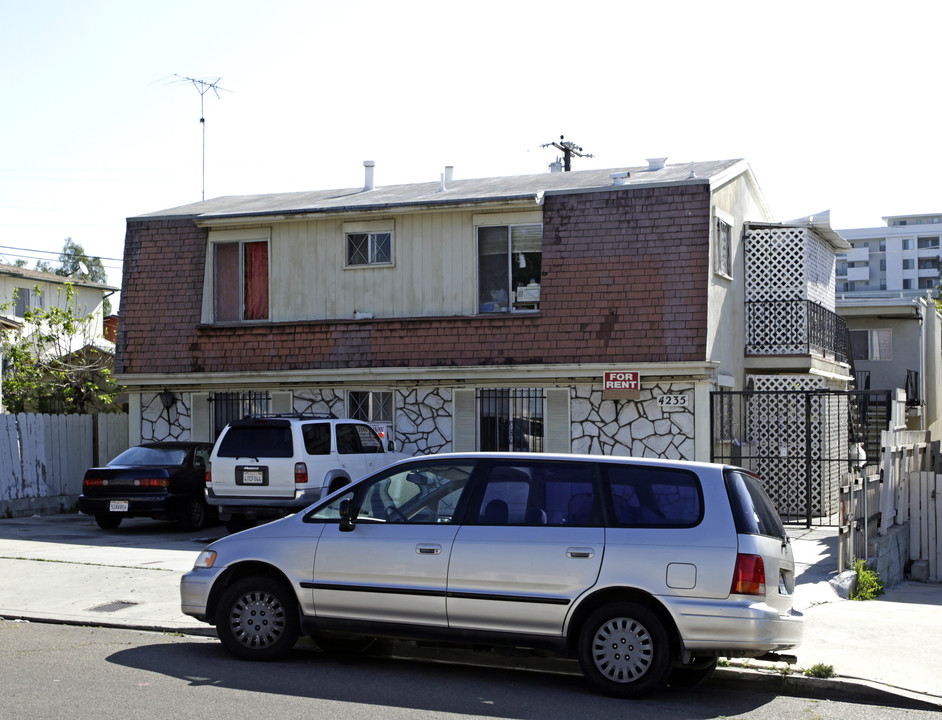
<point x="834" y="104"/>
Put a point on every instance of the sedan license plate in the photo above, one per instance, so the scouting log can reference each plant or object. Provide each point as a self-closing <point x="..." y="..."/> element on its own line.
<point x="118" y="506"/>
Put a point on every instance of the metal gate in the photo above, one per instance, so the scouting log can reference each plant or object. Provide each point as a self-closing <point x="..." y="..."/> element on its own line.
<point x="801" y="444"/>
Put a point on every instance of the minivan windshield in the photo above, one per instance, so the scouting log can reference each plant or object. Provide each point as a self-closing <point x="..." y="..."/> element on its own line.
<point x="752" y="508"/>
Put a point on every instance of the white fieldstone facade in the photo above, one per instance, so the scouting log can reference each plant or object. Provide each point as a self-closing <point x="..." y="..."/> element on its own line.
<point x="423" y="419"/>
<point x="639" y="428"/>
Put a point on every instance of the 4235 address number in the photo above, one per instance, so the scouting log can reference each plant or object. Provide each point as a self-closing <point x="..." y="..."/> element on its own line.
<point x="673" y="401"/>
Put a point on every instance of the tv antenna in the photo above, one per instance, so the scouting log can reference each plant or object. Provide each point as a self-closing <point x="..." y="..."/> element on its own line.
<point x="203" y="87"/>
<point x="569" y="149"/>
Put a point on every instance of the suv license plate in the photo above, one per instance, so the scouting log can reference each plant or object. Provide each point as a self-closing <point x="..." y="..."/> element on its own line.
<point x="118" y="506"/>
<point x="252" y="477"/>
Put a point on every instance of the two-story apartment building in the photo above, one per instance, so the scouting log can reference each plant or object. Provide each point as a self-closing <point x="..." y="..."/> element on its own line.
<point x="590" y="311"/>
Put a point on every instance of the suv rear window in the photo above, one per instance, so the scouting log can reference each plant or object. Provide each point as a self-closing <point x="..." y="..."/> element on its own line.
<point x="643" y="496"/>
<point x="257" y="441"/>
<point x="752" y="508"/>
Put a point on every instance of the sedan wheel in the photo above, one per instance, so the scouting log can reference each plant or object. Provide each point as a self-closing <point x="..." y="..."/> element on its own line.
<point x="108" y="521"/>
<point x="196" y="514"/>
<point x="257" y="618"/>
<point x="624" y="650"/>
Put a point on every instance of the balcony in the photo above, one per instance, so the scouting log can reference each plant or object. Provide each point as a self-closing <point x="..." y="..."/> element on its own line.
<point x="795" y="328"/>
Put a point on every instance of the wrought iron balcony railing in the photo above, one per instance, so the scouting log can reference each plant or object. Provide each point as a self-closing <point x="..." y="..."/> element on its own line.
<point x="795" y="327"/>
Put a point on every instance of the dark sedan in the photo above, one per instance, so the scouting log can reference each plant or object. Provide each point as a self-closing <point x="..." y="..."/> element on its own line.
<point x="163" y="481"/>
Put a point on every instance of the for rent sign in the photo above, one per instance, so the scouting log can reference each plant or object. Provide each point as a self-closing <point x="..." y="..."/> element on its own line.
<point x="621" y="385"/>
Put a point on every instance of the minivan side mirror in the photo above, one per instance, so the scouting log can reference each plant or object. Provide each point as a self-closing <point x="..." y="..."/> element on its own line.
<point x="346" y="516"/>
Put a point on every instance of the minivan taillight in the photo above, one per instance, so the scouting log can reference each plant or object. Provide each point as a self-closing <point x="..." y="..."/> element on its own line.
<point x="300" y="473"/>
<point x="749" y="576"/>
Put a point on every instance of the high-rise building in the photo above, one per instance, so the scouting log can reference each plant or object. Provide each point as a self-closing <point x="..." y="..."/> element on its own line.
<point x="903" y="258"/>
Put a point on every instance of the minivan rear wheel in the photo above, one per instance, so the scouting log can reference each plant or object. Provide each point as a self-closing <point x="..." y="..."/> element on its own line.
<point x="257" y="618"/>
<point x="624" y="650"/>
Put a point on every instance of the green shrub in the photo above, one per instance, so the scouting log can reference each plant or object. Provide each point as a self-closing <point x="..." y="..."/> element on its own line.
<point x="820" y="670"/>
<point x="869" y="584"/>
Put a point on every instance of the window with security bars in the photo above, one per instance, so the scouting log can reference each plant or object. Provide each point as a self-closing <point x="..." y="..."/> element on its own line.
<point x="510" y="419"/>
<point x="229" y="406"/>
<point x="369" y="248"/>
<point x="370" y="406"/>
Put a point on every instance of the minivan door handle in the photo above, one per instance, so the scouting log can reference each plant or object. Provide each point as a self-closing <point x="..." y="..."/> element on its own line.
<point x="580" y="552"/>
<point x="428" y="549"/>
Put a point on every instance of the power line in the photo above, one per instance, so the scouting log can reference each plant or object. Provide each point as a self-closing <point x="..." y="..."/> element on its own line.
<point x="55" y="252"/>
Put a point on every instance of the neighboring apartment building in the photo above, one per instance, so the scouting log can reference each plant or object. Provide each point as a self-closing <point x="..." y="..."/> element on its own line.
<point x="903" y="258"/>
<point x="22" y="289"/>
<point x="897" y="344"/>
<point x="592" y="311"/>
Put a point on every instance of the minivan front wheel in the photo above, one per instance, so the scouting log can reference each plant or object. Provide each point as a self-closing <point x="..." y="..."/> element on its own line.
<point x="257" y="618"/>
<point x="624" y="650"/>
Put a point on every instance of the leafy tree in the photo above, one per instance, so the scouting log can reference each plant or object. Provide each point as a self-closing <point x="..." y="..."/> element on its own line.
<point x="52" y="364"/>
<point x="74" y="262"/>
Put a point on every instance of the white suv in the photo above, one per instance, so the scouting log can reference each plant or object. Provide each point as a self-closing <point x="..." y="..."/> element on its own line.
<point x="645" y="570"/>
<point x="272" y="465"/>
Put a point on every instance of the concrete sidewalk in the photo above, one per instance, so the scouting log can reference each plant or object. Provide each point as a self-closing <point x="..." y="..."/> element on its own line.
<point x="62" y="568"/>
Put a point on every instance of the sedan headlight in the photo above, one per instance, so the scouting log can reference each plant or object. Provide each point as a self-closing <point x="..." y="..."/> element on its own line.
<point x="206" y="559"/>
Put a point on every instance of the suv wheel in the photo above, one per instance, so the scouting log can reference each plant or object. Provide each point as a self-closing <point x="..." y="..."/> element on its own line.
<point x="238" y="523"/>
<point x="257" y="618"/>
<point x="624" y="650"/>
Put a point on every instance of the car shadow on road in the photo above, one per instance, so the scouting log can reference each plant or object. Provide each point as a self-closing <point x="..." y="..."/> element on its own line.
<point x="413" y="685"/>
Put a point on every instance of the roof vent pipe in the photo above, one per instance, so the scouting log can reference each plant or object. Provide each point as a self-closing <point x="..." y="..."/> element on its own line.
<point x="656" y="163"/>
<point x="619" y="178"/>
<point x="368" y="180"/>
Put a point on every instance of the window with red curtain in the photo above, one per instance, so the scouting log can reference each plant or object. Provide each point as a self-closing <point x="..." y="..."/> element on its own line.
<point x="255" y="278"/>
<point x="240" y="281"/>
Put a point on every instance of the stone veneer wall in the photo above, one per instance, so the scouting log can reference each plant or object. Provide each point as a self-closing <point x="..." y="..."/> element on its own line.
<point x="423" y="420"/>
<point x="154" y="419"/>
<point x="640" y="428"/>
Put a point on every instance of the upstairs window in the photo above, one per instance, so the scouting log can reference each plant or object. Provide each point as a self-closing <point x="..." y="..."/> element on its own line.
<point x="722" y="243"/>
<point x="369" y="248"/>
<point x="240" y="281"/>
<point x="26" y="300"/>
<point x="509" y="268"/>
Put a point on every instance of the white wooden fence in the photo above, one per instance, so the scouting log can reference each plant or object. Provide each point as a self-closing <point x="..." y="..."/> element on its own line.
<point x="912" y="484"/>
<point x="43" y="458"/>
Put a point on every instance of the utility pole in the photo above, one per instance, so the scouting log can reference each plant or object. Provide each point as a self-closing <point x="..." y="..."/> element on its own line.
<point x="569" y="149"/>
<point x="203" y="87"/>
